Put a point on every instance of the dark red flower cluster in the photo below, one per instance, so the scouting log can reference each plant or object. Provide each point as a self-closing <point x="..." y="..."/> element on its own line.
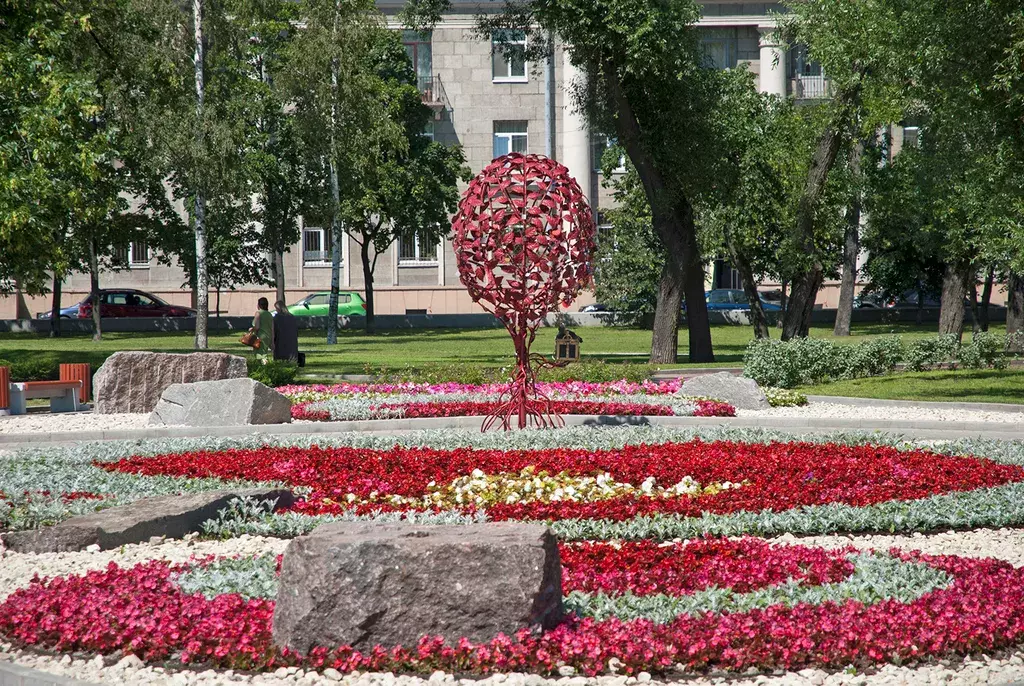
<point x="714" y="408"/>
<point x="775" y="476"/>
<point x="142" y="611"/>
<point x="744" y="565"/>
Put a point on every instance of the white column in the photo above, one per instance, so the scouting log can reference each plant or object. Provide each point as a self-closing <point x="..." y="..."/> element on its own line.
<point x="346" y="262"/>
<point x="773" y="64"/>
<point x="575" y="135"/>
<point x="440" y="262"/>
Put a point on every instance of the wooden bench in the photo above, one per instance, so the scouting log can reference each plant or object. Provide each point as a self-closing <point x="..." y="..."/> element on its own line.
<point x="63" y="395"/>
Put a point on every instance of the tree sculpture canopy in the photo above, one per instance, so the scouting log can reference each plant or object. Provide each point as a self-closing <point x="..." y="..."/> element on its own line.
<point x="524" y="236"/>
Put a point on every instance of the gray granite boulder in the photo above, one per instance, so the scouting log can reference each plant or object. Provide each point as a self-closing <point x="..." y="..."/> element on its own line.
<point x="172" y="516"/>
<point x="231" y="402"/>
<point x="739" y="391"/>
<point x="132" y="381"/>
<point x="365" y="584"/>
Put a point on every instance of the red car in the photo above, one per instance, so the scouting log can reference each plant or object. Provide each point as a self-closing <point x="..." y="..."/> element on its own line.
<point x="131" y="303"/>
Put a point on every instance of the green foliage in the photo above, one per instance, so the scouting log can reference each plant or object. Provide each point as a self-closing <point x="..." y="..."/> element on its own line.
<point x="784" y="397"/>
<point x="249" y="577"/>
<point x="39" y="367"/>
<point x="805" y="361"/>
<point x="272" y="372"/>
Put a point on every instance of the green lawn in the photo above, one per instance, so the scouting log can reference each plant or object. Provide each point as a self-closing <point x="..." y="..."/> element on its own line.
<point x="357" y="352"/>
<point x="968" y="385"/>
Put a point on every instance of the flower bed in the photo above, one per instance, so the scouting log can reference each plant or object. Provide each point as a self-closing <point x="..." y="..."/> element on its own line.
<point x="840" y="608"/>
<point x="330" y="410"/>
<point x="775" y="477"/>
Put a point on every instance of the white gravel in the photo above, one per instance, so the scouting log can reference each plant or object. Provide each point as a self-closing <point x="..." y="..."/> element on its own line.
<point x="86" y="421"/>
<point x="70" y="421"/>
<point x="16" y="570"/>
<point x="885" y="412"/>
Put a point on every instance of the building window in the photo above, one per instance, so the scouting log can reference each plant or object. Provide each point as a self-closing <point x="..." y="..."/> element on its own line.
<point x="598" y="144"/>
<point x="720" y="47"/>
<point x="134" y="255"/>
<point x="509" y="136"/>
<point x="418" y="47"/>
<point x="314" y="247"/>
<point x="428" y="130"/>
<point x="911" y="137"/>
<point x="508" y="57"/>
<point x="417" y="249"/>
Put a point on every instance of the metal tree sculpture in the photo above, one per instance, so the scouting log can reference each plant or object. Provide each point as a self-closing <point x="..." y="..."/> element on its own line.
<point x="524" y="235"/>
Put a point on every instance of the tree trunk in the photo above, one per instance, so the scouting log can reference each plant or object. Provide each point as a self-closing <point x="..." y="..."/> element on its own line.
<point x="364" y="256"/>
<point x="672" y="220"/>
<point x="55" y="308"/>
<point x="218" y="301"/>
<point x="986" y="298"/>
<point x="665" y="334"/>
<point x="920" y="305"/>
<point x="851" y="249"/>
<point x="94" y="291"/>
<point x="199" y="210"/>
<point x="797" y="320"/>
<point x="954" y="289"/>
<point x="279" y="275"/>
<point x="757" y="316"/>
<point x="973" y="288"/>
<point x="1015" y="312"/>
<point x="336" y="233"/>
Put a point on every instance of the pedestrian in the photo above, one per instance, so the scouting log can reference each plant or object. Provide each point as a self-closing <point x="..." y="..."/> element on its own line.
<point x="263" y="327"/>
<point x="286" y="333"/>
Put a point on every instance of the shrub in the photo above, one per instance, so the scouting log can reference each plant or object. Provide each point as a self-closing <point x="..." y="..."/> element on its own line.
<point x="783" y="397"/>
<point x="593" y="372"/>
<point x="38" y="367"/>
<point x="927" y="353"/>
<point x="272" y="372"/>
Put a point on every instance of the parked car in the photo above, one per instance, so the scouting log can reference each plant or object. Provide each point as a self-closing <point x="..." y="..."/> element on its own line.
<point x="129" y="302"/>
<point x="596" y="307"/>
<point x="69" y="312"/>
<point x="316" y="304"/>
<point x="877" y="300"/>
<point x="732" y="299"/>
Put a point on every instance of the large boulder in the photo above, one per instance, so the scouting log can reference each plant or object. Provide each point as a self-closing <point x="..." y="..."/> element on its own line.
<point x="364" y="584"/>
<point x="172" y="516"/>
<point x="739" y="391"/>
<point x="132" y="381"/>
<point x="231" y="402"/>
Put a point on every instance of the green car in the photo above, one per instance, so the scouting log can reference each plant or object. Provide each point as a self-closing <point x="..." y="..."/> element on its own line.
<point x="316" y="304"/>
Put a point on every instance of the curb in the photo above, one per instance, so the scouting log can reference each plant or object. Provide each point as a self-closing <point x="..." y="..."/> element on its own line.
<point x="16" y="675"/>
<point x="919" y="429"/>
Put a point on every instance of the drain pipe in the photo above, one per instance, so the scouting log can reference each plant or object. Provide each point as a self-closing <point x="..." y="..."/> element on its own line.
<point x="549" y="97"/>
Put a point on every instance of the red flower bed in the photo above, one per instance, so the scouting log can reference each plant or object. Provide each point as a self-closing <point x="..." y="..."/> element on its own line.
<point x="775" y="476"/>
<point x="705" y="408"/>
<point x="646" y="568"/>
<point x="141" y="611"/>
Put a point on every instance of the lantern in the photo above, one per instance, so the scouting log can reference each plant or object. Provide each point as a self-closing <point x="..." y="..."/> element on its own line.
<point x="567" y="346"/>
<point x="524" y="236"/>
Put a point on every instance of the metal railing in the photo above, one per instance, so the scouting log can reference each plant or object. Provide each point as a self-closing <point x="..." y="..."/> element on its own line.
<point x="812" y="87"/>
<point x="432" y="90"/>
<point x="316" y="257"/>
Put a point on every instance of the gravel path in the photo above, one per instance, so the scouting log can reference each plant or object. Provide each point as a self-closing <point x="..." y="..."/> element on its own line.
<point x="85" y="421"/>
<point x="70" y="421"/>
<point x="886" y="412"/>
<point x="17" y="569"/>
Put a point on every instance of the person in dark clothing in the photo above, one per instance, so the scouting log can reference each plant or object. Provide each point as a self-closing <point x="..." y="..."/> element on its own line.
<point x="286" y="333"/>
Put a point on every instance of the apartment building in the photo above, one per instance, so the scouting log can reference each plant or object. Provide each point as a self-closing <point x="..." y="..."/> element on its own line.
<point x="490" y="104"/>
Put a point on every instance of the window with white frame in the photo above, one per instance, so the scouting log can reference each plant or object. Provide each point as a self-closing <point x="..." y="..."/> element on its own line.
<point x="509" y="136"/>
<point x="508" y="56"/>
<point x="911" y="136"/>
<point x="599" y="143"/>
<point x="720" y="47"/>
<point x="314" y="247"/>
<point x="417" y="248"/>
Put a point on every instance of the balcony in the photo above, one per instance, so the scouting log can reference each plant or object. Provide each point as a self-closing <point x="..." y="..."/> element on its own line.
<point x="806" y="87"/>
<point x="434" y="96"/>
<point x="316" y="258"/>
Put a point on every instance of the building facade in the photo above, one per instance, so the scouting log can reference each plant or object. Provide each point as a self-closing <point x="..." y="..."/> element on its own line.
<point x="490" y="104"/>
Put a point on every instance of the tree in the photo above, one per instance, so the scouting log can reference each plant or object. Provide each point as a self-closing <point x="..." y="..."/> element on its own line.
<point x="646" y="83"/>
<point x="340" y="109"/>
<point x="406" y="190"/>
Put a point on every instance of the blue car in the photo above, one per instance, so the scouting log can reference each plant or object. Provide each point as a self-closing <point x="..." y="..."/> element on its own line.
<point x="70" y="312"/>
<point x="732" y="299"/>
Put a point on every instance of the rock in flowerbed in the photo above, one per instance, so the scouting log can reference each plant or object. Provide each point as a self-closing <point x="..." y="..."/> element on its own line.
<point x="738" y="391"/>
<point x="364" y="584"/>
<point x="172" y="516"/>
<point x="132" y="381"/>
<point x="231" y="402"/>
